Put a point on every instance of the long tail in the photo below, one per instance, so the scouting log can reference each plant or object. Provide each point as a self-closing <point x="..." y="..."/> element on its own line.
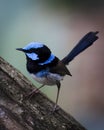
<point x="83" y="44"/>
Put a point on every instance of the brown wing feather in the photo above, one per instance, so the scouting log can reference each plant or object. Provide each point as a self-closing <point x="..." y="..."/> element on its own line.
<point x="61" y="69"/>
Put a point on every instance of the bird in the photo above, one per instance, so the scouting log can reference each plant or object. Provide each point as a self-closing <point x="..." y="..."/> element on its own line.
<point x="48" y="69"/>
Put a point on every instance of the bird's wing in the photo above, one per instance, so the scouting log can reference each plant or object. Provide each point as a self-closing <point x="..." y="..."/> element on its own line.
<point x="61" y="69"/>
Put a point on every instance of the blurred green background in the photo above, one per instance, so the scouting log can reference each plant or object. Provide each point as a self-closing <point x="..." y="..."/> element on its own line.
<point x="60" y="25"/>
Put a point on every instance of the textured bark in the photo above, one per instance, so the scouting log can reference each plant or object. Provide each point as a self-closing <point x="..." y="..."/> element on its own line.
<point x="17" y="113"/>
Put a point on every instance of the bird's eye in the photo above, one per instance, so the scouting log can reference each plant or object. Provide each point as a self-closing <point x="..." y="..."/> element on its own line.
<point x="30" y="51"/>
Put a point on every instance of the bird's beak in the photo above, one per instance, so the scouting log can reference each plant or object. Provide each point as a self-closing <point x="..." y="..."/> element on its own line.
<point x="20" y="49"/>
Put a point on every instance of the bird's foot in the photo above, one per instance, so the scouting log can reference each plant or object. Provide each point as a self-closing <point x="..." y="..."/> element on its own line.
<point x="55" y="109"/>
<point x="33" y="92"/>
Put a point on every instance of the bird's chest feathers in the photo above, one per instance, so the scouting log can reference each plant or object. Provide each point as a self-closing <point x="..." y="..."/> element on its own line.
<point x="46" y="78"/>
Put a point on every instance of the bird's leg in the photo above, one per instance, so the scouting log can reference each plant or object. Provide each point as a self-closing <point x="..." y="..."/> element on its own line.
<point x="57" y="97"/>
<point x="34" y="91"/>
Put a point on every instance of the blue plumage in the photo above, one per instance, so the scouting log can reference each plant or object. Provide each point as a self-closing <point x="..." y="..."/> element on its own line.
<point x="83" y="44"/>
<point x="49" y="60"/>
<point x="32" y="56"/>
<point x="42" y="73"/>
<point x="46" y="68"/>
<point x="34" y="45"/>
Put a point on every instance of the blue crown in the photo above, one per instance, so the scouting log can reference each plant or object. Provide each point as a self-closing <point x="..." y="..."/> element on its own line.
<point x="34" y="45"/>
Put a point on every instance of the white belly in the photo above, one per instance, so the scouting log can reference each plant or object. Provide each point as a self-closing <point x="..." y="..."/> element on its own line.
<point x="50" y="79"/>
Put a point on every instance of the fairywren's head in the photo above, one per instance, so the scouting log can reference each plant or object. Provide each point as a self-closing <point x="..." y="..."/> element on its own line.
<point x="38" y="52"/>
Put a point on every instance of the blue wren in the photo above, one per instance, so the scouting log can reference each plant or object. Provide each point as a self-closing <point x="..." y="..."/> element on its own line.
<point x="48" y="69"/>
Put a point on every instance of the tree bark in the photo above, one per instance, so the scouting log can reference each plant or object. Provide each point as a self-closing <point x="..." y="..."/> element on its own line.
<point x="18" y="113"/>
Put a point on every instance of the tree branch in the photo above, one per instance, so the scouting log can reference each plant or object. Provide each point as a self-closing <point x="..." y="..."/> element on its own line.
<point x="19" y="114"/>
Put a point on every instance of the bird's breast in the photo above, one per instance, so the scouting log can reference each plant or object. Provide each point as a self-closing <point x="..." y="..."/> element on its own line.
<point x="48" y="79"/>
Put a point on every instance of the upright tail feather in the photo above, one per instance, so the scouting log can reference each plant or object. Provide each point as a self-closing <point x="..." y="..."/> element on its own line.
<point x="83" y="44"/>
